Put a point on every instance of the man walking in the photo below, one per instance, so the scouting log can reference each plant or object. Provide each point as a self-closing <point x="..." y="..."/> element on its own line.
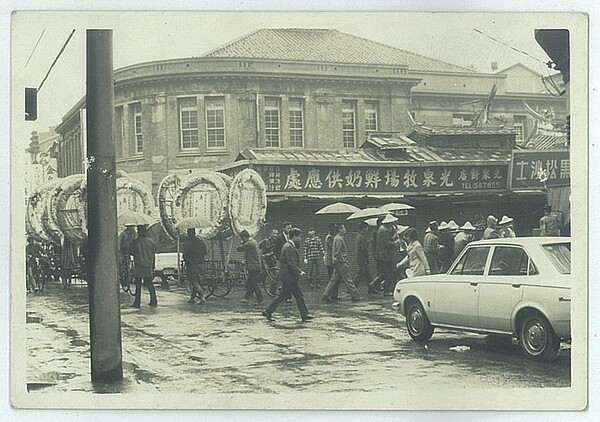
<point x="431" y="247"/>
<point x="143" y="249"/>
<point x="333" y="230"/>
<point x="362" y="258"/>
<point x="313" y="257"/>
<point x="281" y="239"/>
<point x="252" y="259"/>
<point x="290" y="275"/>
<point x="340" y="270"/>
<point x="387" y="253"/>
<point x="194" y="250"/>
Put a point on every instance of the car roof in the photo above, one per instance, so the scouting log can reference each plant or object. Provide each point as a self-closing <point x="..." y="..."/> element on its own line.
<point x="523" y="241"/>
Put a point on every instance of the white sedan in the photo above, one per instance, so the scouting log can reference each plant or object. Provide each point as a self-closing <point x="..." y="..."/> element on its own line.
<point x="519" y="287"/>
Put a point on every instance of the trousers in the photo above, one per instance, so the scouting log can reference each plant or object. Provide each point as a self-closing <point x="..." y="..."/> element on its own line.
<point x="252" y="286"/>
<point x="147" y="281"/>
<point x="340" y="275"/>
<point x="290" y="288"/>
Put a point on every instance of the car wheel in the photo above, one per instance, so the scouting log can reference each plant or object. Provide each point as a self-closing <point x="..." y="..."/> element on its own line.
<point x="417" y="323"/>
<point x="537" y="338"/>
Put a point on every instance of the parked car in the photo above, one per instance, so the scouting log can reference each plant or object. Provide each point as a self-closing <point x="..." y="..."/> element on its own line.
<point x="519" y="287"/>
<point x="165" y="265"/>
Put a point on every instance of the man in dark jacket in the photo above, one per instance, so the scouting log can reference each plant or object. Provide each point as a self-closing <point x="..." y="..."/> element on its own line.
<point x="194" y="250"/>
<point x="143" y="249"/>
<point x="340" y="270"/>
<point x="362" y="257"/>
<point x="290" y="273"/>
<point x="281" y="239"/>
<point x="252" y="259"/>
<point x="387" y="252"/>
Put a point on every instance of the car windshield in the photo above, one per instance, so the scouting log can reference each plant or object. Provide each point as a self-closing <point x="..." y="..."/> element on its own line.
<point x="560" y="255"/>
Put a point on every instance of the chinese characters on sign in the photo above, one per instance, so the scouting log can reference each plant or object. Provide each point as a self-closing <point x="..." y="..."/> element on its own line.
<point x="414" y="179"/>
<point x="538" y="169"/>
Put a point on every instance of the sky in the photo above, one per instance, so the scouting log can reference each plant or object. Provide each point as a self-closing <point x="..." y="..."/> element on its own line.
<point x="146" y="36"/>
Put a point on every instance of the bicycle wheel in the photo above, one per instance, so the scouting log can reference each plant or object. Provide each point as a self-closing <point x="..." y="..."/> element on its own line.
<point x="270" y="282"/>
<point x="220" y="286"/>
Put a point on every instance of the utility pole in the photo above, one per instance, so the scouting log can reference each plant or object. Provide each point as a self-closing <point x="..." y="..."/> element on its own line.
<point x="103" y="286"/>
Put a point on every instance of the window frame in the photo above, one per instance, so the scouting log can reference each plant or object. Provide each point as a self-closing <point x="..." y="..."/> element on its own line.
<point x="531" y="267"/>
<point x="268" y="128"/>
<point x="464" y="256"/>
<point x="300" y="130"/>
<point x="462" y="115"/>
<point x="138" y="136"/>
<point x="207" y="129"/>
<point x="346" y="130"/>
<point x="181" y="108"/>
<point x="374" y="111"/>
<point x="522" y="124"/>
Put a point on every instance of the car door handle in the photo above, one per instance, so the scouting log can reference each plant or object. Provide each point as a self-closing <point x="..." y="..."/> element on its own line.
<point x="473" y="283"/>
<point x="564" y="299"/>
<point x="516" y="286"/>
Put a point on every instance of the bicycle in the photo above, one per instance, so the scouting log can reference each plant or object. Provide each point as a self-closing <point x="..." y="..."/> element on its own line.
<point x="269" y="275"/>
<point x="126" y="274"/>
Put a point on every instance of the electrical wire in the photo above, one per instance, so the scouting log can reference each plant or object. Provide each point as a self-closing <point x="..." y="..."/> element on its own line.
<point x="547" y="63"/>
<point x="36" y="44"/>
<point x="56" y="59"/>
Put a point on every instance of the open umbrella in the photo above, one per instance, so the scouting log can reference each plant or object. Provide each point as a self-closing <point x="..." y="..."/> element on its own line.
<point x="193" y="223"/>
<point x="367" y="213"/>
<point x="134" y="218"/>
<point x="372" y="221"/>
<point x="338" y="208"/>
<point x="396" y="206"/>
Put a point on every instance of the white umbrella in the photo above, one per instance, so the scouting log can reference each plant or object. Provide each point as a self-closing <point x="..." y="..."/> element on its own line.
<point x="372" y="221"/>
<point x="367" y="213"/>
<point x="193" y="223"/>
<point x="396" y="206"/>
<point x="134" y="218"/>
<point x="338" y="208"/>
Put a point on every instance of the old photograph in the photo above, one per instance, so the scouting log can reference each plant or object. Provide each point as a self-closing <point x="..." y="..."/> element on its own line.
<point x="299" y="210"/>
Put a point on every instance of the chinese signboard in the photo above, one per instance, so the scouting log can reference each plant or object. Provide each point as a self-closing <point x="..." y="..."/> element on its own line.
<point x="536" y="169"/>
<point x="415" y="179"/>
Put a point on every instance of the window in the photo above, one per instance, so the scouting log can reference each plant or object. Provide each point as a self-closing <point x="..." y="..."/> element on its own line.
<point x="296" y="123"/>
<point x="137" y="125"/>
<point x="560" y="255"/>
<point x="272" y="122"/>
<point x="462" y="119"/>
<point x="188" y="123"/>
<point x="511" y="261"/>
<point x="520" y="125"/>
<point x="120" y="130"/>
<point x="215" y="122"/>
<point x="348" y="124"/>
<point x="472" y="262"/>
<point x="371" y="117"/>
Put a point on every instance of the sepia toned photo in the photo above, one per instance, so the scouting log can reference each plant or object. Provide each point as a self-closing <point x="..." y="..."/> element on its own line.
<point x="299" y="210"/>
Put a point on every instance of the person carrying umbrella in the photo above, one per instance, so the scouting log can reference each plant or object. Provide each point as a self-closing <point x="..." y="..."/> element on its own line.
<point x="387" y="252"/>
<point x="362" y="258"/>
<point x="340" y="270"/>
<point x="143" y="250"/>
<point x="194" y="250"/>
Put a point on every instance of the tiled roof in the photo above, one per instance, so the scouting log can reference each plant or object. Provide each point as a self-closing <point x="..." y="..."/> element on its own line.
<point x="326" y="45"/>
<point x="450" y="130"/>
<point x="385" y="141"/>
<point x="543" y="141"/>
<point x="360" y="156"/>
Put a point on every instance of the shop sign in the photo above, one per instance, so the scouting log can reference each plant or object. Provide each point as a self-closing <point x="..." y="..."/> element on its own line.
<point x="417" y="179"/>
<point x="537" y="169"/>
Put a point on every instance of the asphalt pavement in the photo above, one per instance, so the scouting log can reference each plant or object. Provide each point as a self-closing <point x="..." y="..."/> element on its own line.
<point x="224" y="346"/>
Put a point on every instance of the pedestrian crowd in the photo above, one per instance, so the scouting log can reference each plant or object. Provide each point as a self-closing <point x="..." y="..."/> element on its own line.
<point x="395" y="249"/>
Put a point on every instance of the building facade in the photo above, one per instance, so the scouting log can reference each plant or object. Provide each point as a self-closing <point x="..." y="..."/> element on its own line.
<point x="307" y="100"/>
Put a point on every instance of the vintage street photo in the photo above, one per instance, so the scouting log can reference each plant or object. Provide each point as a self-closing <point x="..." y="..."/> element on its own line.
<point x="299" y="210"/>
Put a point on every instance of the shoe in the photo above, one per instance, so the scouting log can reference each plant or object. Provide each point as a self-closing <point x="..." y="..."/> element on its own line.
<point x="201" y="300"/>
<point x="261" y="302"/>
<point x="153" y="305"/>
<point x="357" y="299"/>
<point x="245" y="300"/>
<point x="288" y="300"/>
<point x="268" y="315"/>
<point x="135" y="306"/>
<point x="307" y="318"/>
<point x="326" y="299"/>
<point x="191" y="301"/>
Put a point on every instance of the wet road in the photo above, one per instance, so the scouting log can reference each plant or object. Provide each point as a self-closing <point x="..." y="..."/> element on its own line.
<point x="224" y="346"/>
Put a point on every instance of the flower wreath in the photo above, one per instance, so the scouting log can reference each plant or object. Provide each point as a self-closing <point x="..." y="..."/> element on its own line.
<point x="193" y="180"/>
<point x="73" y="188"/>
<point x="259" y="204"/>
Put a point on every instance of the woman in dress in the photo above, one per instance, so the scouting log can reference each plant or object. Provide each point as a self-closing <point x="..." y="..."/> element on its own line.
<point x="415" y="257"/>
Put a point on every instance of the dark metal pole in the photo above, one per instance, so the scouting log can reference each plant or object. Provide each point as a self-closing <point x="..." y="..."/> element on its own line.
<point x="105" y="313"/>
